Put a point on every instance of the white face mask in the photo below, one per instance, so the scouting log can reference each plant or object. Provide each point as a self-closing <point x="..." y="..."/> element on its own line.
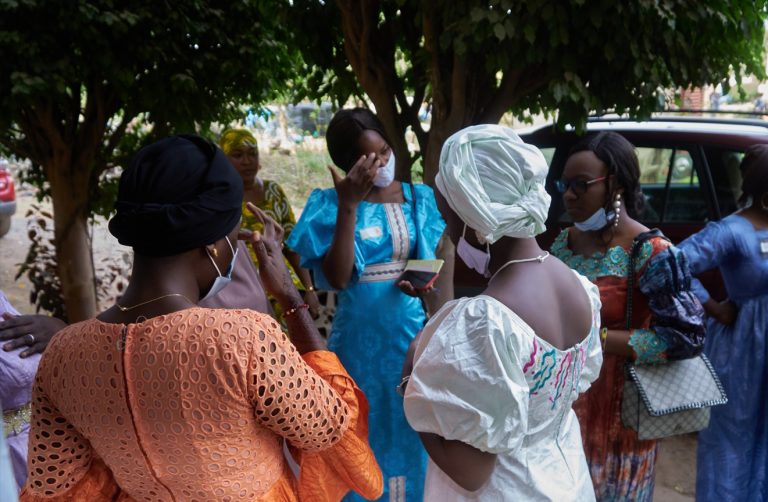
<point x="386" y="173"/>
<point x="476" y="259"/>
<point x="222" y="280"/>
<point x="598" y="221"/>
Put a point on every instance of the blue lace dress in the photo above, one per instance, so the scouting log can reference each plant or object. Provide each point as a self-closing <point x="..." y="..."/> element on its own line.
<point x="732" y="463"/>
<point x="375" y="322"/>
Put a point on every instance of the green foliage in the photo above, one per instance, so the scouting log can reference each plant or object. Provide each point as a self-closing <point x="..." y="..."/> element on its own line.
<point x="83" y="84"/>
<point x="91" y="67"/>
<point x="40" y="265"/>
<point x="470" y="62"/>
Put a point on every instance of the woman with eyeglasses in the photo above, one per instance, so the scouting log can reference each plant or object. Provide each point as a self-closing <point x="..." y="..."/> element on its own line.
<point x="600" y="184"/>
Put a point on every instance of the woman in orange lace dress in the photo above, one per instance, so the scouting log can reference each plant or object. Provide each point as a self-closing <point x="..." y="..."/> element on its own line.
<point x="158" y="399"/>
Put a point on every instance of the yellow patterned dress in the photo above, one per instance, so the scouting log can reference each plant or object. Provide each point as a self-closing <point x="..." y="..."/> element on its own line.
<point x="276" y="205"/>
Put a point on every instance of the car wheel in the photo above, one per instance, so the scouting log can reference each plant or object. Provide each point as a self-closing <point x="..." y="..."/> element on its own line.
<point x="5" y="225"/>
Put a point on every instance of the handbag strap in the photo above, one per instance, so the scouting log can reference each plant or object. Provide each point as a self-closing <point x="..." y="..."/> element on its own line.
<point x="633" y="251"/>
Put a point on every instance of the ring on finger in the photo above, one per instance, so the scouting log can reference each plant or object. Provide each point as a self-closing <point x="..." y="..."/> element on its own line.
<point x="31" y="338"/>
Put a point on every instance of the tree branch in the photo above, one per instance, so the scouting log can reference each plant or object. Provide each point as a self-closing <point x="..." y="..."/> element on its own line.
<point x="514" y="86"/>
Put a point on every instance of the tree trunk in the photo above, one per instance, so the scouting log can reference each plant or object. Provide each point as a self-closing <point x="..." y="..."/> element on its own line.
<point x="69" y="192"/>
<point x="445" y="248"/>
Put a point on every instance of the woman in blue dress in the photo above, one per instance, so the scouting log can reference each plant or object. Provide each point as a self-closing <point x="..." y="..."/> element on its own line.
<point x="356" y="238"/>
<point x="732" y="461"/>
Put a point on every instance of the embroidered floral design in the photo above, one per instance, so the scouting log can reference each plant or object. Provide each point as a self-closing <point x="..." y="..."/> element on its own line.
<point x="649" y="346"/>
<point x="540" y="378"/>
<point x="401" y="244"/>
<point x="541" y="366"/>
<point x="614" y="262"/>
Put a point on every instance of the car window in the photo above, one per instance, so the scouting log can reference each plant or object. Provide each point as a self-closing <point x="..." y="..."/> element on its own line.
<point x="548" y="152"/>
<point x="670" y="183"/>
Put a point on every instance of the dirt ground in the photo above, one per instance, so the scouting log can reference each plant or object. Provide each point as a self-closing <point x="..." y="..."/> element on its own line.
<point x="676" y="468"/>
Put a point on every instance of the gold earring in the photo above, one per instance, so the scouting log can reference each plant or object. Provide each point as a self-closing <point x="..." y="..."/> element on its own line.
<point x="215" y="253"/>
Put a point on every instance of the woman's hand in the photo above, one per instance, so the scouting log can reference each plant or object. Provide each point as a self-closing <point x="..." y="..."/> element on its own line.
<point x="357" y="184"/>
<point x="268" y="246"/>
<point x="310" y="298"/>
<point x="724" y="312"/>
<point x="407" y="288"/>
<point x="32" y="331"/>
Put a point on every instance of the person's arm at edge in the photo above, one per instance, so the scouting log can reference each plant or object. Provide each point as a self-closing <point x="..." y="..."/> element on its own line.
<point x="467" y="466"/>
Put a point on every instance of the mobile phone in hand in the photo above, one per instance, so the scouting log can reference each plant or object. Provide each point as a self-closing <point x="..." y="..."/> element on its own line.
<point x="421" y="281"/>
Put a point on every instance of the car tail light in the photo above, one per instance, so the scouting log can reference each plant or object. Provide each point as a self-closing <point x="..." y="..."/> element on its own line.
<point x="7" y="192"/>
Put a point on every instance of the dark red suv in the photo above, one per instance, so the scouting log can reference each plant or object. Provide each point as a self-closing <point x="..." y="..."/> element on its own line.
<point x="689" y="171"/>
<point x="7" y="198"/>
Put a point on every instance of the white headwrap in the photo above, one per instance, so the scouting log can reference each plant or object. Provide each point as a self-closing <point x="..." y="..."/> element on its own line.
<point x="494" y="182"/>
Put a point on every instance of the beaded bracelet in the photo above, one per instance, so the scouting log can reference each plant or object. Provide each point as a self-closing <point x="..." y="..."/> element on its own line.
<point x="295" y="309"/>
<point x="603" y="337"/>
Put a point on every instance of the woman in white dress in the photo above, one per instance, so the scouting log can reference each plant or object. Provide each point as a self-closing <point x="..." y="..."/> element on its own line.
<point x="493" y="377"/>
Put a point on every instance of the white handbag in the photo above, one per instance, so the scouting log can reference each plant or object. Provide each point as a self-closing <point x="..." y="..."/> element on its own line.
<point x="671" y="398"/>
<point x="667" y="399"/>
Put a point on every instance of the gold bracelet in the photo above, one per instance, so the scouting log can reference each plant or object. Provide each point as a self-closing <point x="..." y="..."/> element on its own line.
<point x="603" y="337"/>
<point x="15" y="420"/>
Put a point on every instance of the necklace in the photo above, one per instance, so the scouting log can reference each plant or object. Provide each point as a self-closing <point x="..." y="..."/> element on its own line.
<point x="126" y="309"/>
<point x="539" y="259"/>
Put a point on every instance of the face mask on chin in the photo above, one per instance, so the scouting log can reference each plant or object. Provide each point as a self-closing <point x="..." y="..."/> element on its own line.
<point x="385" y="175"/>
<point x="598" y="221"/>
<point x="476" y="259"/>
<point x="222" y="280"/>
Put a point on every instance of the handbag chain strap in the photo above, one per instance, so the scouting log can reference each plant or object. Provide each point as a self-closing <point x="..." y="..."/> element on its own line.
<point x="633" y="251"/>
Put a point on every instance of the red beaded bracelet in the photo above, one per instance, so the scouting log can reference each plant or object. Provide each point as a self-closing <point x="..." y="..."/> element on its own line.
<point x="295" y="309"/>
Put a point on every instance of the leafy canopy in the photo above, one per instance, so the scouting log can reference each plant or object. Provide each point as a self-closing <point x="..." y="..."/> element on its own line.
<point x="471" y="62"/>
<point x="76" y="74"/>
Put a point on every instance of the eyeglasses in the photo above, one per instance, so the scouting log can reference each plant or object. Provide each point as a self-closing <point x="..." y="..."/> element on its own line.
<point x="579" y="187"/>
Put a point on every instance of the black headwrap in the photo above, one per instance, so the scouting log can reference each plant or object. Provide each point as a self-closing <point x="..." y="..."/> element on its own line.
<point x="177" y="194"/>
